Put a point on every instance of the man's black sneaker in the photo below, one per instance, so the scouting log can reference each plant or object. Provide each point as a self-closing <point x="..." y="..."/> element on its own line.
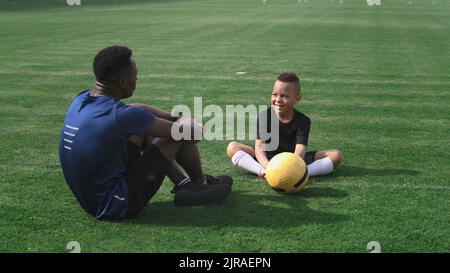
<point x="196" y="194"/>
<point x="221" y="180"/>
<point x="186" y="184"/>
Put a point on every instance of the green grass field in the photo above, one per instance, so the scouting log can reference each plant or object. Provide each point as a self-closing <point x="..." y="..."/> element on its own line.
<point x="375" y="83"/>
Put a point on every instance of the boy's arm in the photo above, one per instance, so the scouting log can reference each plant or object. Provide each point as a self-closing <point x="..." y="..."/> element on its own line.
<point x="158" y="112"/>
<point x="300" y="150"/>
<point x="260" y="154"/>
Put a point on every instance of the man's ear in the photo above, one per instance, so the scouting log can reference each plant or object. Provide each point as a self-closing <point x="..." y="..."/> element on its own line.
<point x="122" y="82"/>
<point x="299" y="98"/>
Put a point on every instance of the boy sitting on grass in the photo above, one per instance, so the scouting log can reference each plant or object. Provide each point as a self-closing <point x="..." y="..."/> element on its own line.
<point x="293" y="134"/>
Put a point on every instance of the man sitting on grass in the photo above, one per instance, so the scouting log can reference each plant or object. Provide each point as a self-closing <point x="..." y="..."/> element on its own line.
<point x="115" y="156"/>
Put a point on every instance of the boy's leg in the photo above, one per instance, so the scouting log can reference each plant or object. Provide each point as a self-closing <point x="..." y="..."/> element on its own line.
<point x="243" y="156"/>
<point x="334" y="155"/>
<point x="324" y="162"/>
<point x="234" y="147"/>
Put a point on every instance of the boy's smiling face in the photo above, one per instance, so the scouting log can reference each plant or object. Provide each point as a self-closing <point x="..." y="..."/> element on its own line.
<point x="284" y="96"/>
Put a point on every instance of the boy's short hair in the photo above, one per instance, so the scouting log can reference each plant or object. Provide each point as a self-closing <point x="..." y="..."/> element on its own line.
<point x="291" y="78"/>
<point x="112" y="62"/>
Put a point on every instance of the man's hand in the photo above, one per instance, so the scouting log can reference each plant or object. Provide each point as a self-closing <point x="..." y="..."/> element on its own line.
<point x="175" y="116"/>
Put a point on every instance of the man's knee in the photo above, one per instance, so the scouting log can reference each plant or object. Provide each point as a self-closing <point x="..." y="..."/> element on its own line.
<point x="232" y="148"/>
<point x="168" y="147"/>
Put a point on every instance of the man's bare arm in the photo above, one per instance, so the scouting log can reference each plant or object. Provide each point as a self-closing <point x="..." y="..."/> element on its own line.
<point x="162" y="128"/>
<point x="158" y="112"/>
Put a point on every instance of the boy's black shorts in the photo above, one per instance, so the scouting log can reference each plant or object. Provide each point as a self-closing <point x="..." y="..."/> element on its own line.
<point x="309" y="157"/>
<point x="145" y="174"/>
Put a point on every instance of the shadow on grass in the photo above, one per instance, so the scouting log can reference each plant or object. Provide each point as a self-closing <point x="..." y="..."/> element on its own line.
<point x="246" y="210"/>
<point x="361" y="171"/>
<point x="356" y="171"/>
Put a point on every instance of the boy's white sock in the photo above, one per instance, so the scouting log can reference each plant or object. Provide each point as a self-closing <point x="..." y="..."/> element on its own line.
<point x="248" y="163"/>
<point x="320" y="167"/>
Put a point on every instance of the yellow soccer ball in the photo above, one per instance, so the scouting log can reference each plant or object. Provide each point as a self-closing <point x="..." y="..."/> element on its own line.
<point x="287" y="173"/>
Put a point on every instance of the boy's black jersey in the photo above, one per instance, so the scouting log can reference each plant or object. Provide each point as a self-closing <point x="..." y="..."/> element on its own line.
<point x="294" y="132"/>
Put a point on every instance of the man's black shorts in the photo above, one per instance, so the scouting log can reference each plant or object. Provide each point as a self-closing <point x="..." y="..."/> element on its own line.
<point x="309" y="157"/>
<point x="145" y="174"/>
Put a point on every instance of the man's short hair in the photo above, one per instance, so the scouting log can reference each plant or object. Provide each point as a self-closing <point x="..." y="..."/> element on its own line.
<point x="290" y="78"/>
<point x="112" y="62"/>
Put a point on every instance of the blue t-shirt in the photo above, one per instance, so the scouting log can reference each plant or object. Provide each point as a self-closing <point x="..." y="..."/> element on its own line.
<point x="93" y="151"/>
